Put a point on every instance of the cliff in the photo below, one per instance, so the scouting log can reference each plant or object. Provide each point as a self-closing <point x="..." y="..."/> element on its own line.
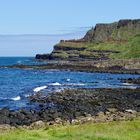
<point x="117" y="31"/>
<point x="106" y="41"/>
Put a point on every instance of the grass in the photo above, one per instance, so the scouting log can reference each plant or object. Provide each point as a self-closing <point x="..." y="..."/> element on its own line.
<point x="126" y="130"/>
<point x="128" y="50"/>
<point x="70" y="44"/>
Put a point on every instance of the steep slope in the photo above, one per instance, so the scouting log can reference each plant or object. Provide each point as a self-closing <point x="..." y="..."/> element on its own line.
<point x="105" y="41"/>
<point x="117" y="31"/>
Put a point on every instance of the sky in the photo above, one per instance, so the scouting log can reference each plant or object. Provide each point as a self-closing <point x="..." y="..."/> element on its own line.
<point x="54" y="17"/>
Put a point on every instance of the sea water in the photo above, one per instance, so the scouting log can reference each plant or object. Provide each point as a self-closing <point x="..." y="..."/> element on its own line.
<point x="16" y="85"/>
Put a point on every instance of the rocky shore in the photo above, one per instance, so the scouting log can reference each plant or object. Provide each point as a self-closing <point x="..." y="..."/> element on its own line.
<point x="131" y="66"/>
<point x="107" y="48"/>
<point x="132" y="80"/>
<point x="76" y="106"/>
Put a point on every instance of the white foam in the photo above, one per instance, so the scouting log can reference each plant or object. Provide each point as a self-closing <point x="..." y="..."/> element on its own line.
<point x="127" y="84"/>
<point x="75" y="84"/>
<point x="27" y="95"/>
<point x="19" y="62"/>
<point x="131" y="87"/>
<point x="68" y="80"/>
<point x="16" y="98"/>
<point x="81" y="84"/>
<point x="39" y="88"/>
<point x="55" y="84"/>
<point x="59" y="90"/>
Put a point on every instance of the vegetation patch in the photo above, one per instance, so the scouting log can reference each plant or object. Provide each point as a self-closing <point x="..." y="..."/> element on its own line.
<point x="124" y="130"/>
<point x="113" y="50"/>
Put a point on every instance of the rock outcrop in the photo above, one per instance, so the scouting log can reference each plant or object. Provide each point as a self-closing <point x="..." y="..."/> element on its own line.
<point x="76" y="106"/>
<point x="100" y="43"/>
<point x="117" y="31"/>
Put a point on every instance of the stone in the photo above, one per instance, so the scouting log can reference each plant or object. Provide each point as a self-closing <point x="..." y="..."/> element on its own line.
<point x="112" y="110"/>
<point x="37" y="125"/>
<point x="58" y="121"/>
<point x="76" y="122"/>
<point x="4" y="127"/>
<point x="131" y="111"/>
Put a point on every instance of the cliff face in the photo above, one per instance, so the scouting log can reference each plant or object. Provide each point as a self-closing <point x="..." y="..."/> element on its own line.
<point x="115" y="40"/>
<point x="117" y="31"/>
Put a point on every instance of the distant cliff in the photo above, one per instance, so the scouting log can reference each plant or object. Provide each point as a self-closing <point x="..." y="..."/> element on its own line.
<point x="117" y="31"/>
<point x="115" y="40"/>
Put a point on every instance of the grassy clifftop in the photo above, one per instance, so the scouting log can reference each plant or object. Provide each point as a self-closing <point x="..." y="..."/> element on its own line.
<point x="102" y="50"/>
<point x="122" y="30"/>
<point x="119" y="40"/>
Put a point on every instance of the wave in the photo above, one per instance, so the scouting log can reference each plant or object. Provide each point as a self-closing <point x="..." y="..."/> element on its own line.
<point x="39" y="88"/>
<point x="74" y="84"/>
<point x="70" y="84"/>
<point x="127" y="84"/>
<point x="59" y="90"/>
<point x="130" y="86"/>
<point x="68" y="80"/>
<point x="55" y="84"/>
<point x="16" y="98"/>
<point x="27" y="95"/>
<point x="19" y="62"/>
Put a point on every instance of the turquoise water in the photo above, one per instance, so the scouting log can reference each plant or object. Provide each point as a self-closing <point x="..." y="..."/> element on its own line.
<point x="17" y="84"/>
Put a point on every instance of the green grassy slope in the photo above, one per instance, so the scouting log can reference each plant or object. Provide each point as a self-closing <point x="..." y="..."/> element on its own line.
<point x="127" y="130"/>
<point x="129" y="49"/>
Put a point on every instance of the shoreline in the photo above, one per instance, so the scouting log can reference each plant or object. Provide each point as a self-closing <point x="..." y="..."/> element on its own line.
<point x="81" y="67"/>
<point x="77" y="106"/>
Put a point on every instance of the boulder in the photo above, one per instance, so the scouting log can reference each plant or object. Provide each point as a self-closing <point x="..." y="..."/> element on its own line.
<point x="37" y="125"/>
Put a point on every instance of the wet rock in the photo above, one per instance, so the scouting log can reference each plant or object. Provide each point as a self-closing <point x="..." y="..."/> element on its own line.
<point x="43" y="56"/>
<point x="132" y="80"/>
<point x="78" y="106"/>
<point x="5" y="111"/>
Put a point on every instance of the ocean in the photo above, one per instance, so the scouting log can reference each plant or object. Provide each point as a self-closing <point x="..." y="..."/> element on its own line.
<point x="16" y="85"/>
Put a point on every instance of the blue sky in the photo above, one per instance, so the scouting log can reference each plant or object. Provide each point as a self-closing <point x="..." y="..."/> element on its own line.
<point x="55" y="17"/>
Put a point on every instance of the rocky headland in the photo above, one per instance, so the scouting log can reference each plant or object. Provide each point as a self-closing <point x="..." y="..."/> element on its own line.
<point x="106" y="47"/>
<point x="118" y="40"/>
<point x="113" y="48"/>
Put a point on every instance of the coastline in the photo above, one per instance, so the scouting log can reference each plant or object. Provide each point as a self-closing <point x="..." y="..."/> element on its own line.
<point x="77" y="106"/>
<point x="124" y="66"/>
<point x="103" y="99"/>
<point x="96" y="52"/>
